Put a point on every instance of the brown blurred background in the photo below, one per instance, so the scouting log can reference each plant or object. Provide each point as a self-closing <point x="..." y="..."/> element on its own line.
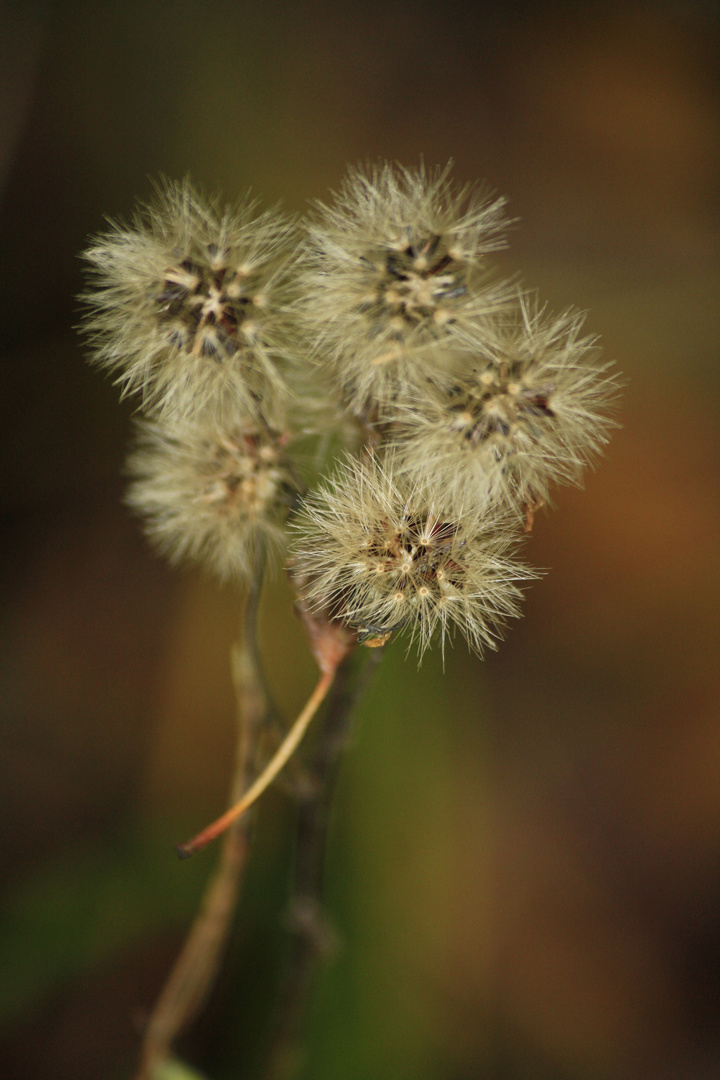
<point x="525" y="862"/>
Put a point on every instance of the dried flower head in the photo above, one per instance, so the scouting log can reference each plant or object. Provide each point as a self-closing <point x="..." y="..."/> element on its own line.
<point x="211" y="494"/>
<point x="526" y="413"/>
<point x="394" y="267"/>
<point x="383" y="556"/>
<point x="183" y="300"/>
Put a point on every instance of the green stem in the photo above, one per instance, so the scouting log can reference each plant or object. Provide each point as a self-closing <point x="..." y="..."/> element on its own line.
<point x="311" y="936"/>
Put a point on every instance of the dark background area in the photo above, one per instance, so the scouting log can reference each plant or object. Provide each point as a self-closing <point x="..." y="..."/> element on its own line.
<point x="525" y="862"/>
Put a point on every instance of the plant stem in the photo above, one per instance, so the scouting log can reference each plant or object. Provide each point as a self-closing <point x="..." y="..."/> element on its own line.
<point x="312" y="938"/>
<point x="194" y="971"/>
<point x="280" y="758"/>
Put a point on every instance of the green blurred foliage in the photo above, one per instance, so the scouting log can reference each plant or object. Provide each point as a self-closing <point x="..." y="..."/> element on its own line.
<point x="77" y="910"/>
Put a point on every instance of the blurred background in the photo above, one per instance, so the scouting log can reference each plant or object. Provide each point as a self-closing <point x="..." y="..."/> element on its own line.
<point x="524" y="871"/>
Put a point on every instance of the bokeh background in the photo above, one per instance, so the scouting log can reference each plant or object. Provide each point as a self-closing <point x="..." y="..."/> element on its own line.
<point x="524" y="871"/>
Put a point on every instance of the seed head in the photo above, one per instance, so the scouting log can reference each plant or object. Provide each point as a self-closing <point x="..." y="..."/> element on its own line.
<point x="383" y="556"/>
<point x="211" y="494"/>
<point x="525" y="413"/>
<point x="182" y="304"/>
<point x="394" y="267"/>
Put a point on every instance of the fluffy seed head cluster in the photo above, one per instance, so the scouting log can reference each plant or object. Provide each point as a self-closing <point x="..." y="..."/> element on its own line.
<point x="393" y="271"/>
<point x="383" y="556"/>
<point x="470" y="399"/>
<point x="182" y="304"/>
<point x="211" y="494"/>
<point x="522" y="414"/>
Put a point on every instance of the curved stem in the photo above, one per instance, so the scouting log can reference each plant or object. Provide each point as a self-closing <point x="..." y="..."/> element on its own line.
<point x="192" y="975"/>
<point x="282" y="755"/>
<point x="312" y="938"/>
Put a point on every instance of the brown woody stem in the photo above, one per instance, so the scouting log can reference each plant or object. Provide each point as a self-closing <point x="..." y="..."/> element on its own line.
<point x="193" y="973"/>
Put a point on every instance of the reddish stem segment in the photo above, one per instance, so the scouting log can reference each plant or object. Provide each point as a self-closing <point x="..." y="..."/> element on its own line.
<point x="281" y="757"/>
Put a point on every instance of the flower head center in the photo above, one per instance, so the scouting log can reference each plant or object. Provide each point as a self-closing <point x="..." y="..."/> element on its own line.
<point x="418" y="278"/>
<point x="204" y="305"/>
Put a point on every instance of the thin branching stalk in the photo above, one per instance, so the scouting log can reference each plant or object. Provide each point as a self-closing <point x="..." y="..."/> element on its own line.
<point x="312" y="937"/>
<point x="282" y="755"/>
<point x="192" y="976"/>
